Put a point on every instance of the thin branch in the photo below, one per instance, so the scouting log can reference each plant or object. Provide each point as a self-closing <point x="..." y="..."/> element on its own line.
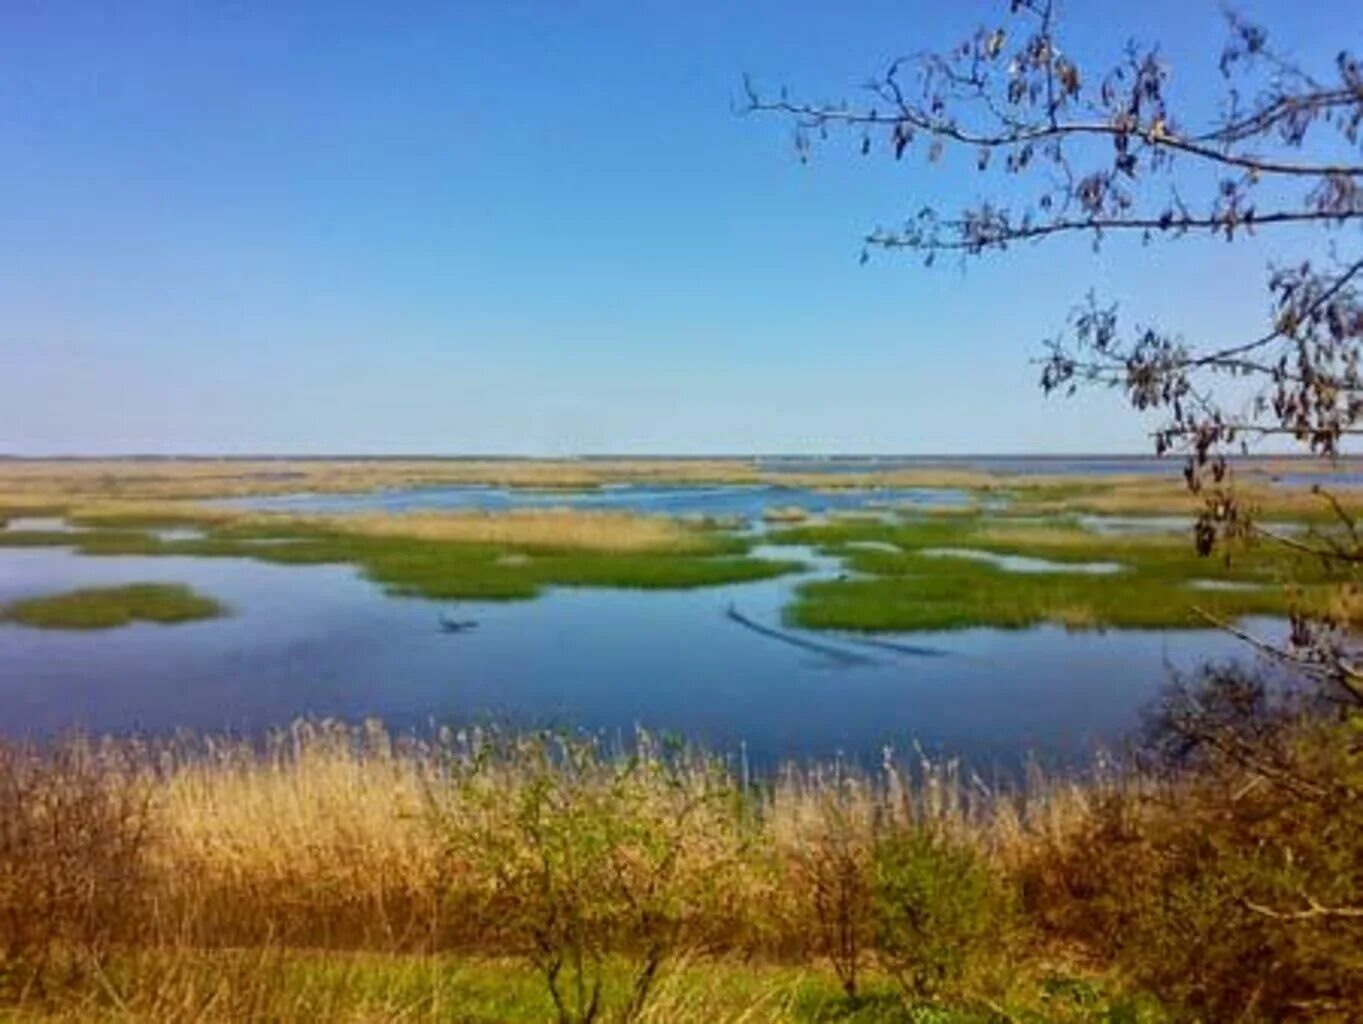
<point x="811" y="116"/>
<point x="1000" y="237"/>
<point x="1341" y="282"/>
<point x="1314" y="910"/>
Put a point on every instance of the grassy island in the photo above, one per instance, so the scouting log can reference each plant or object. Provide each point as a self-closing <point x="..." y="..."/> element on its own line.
<point x="111" y="607"/>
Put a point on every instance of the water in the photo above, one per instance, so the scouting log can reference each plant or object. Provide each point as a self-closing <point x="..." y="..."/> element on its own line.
<point x="322" y="641"/>
<point x="1006" y="465"/>
<point x="722" y="502"/>
<point x="1025" y="563"/>
<point x="1326" y="480"/>
<point x="39" y="524"/>
<point x="1126" y="525"/>
<point x="1346" y="475"/>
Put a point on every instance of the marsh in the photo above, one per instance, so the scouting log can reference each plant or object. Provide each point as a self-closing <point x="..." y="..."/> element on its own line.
<point x="335" y="602"/>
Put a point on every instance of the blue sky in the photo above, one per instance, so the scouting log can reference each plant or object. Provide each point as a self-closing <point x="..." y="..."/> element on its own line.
<point x="531" y="227"/>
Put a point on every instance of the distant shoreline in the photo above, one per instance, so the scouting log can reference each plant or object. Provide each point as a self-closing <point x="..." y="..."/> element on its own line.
<point x="934" y="459"/>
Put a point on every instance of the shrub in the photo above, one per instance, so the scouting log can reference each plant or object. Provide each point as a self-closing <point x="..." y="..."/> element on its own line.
<point x="941" y="912"/>
<point x="830" y="860"/>
<point x="583" y="857"/>
<point x="73" y="838"/>
<point x="1235" y="891"/>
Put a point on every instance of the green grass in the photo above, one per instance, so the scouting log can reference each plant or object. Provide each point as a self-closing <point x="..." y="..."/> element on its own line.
<point x="910" y="590"/>
<point x="436" y="569"/>
<point x="295" y="986"/>
<point x="110" y="607"/>
<point x="901" y="589"/>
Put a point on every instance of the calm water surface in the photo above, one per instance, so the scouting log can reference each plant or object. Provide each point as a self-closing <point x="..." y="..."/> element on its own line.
<point x="743" y="502"/>
<point x="322" y="641"/>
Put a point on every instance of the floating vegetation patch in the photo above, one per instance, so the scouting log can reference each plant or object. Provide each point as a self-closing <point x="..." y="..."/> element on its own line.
<point x="111" y="607"/>
<point x="433" y="564"/>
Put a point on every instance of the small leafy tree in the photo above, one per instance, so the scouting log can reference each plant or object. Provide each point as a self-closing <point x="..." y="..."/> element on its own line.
<point x="831" y="860"/>
<point x="584" y="857"/>
<point x="939" y="909"/>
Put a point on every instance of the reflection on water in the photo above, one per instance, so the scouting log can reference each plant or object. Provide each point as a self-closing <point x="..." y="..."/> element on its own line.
<point x="1122" y="525"/>
<point x="1325" y="480"/>
<point x="1024" y="563"/>
<point x="39" y="524"/>
<point x="319" y="640"/>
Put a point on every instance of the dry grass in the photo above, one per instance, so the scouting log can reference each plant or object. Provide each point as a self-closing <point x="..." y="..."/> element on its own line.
<point x="328" y="835"/>
<point x="161" y="479"/>
<point x="354" y="838"/>
<point x="214" y="879"/>
<point x="553" y="528"/>
<point x="1059" y="538"/>
<point x="1168" y="496"/>
<point x="93" y="485"/>
<point x="548" y="528"/>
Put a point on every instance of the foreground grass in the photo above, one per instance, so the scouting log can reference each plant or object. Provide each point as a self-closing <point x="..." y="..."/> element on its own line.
<point x="334" y="873"/>
<point x="903" y="584"/>
<point x="345" y="874"/>
<point x="291" y="985"/>
<point x="110" y="607"/>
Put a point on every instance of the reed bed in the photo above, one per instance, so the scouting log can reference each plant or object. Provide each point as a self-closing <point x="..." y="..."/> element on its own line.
<point x="160" y="479"/>
<point x="351" y="873"/>
<point x="357" y="841"/>
<point x="559" y="528"/>
<point x="92" y="487"/>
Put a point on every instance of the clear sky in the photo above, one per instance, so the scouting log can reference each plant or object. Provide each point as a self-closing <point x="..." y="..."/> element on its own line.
<point x="531" y="226"/>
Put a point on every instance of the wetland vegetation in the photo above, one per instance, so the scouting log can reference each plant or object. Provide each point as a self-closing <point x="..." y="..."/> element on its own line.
<point x="896" y="578"/>
<point x="488" y="260"/>
<point x="110" y="607"/>
<point x="347" y="873"/>
<point x="488" y="875"/>
<point x="917" y="575"/>
<point x="418" y="564"/>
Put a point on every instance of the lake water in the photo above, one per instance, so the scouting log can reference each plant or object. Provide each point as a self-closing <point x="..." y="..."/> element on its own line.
<point x="1007" y="465"/>
<point x="1347" y="474"/>
<point x="322" y="641"/>
<point x="727" y="501"/>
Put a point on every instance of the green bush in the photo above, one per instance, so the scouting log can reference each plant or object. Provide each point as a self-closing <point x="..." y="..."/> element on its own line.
<point x="942" y="913"/>
<point x="591" y="860"/>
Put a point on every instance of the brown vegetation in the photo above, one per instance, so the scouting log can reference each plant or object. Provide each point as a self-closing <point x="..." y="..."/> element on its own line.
<point x="601" y="871"/>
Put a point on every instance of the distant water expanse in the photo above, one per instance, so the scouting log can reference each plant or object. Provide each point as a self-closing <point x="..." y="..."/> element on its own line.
<point x="1348" y="472"/>
<point x="321" y="641"/>
<point x="1284" y="469"/>
<point x="1066" y="465"/>
<point x="742" y="501"/>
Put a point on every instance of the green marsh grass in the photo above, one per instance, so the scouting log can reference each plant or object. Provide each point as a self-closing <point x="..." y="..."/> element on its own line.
<point x="111" y="607"/>
<point x="894" y="584"/>
<point x="899" y="585"/>
<point x="425" y="567"/>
